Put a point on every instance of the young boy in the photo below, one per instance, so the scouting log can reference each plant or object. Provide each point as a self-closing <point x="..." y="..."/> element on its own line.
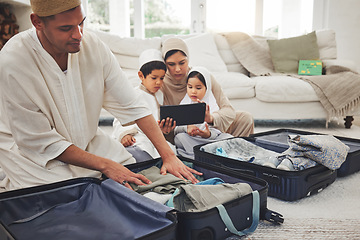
<point x="152" y="73"/>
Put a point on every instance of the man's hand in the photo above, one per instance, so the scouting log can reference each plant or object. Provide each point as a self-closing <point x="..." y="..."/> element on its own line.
<point x="171" y="163"/>
<point x="113" y="170"/>
<point x="128" y="140"/>
<point x="166" y="125"/>
<point x="176" y="167"/>
<point x="123" y="175"/>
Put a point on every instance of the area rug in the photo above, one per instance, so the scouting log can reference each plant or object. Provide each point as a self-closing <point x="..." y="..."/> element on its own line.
<point x="313" y="228"/>
<point x="333" y="213"/>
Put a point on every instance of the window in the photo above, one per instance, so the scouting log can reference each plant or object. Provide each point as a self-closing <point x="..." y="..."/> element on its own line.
<point x="271" y="18"/>
<point x="166" y="17"/>
<point x="160" y="16"/>
<point x="230" y="15"/>
<point x="149" y="18"/>
<point x="98" y="15"/>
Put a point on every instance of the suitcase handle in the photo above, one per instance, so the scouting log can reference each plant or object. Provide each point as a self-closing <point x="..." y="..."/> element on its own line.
<point x="255" y="216"/>
<point x="244" y="171"/>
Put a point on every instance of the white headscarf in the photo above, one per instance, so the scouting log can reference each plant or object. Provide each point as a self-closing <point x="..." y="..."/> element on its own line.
<point x="208" y="98"/>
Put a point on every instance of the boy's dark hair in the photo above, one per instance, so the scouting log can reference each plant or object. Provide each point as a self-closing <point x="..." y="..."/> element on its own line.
<point x="198" y="75"/>
<point x="147" y="68"/>
<point x="172" y="52"/>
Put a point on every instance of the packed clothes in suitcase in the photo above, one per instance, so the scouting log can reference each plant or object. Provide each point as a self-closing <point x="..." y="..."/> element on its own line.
<point x="279" y="139"/>
<point x="238" y="216"/>
<point x="83" y="208"/>
<point x="290" y="172"/>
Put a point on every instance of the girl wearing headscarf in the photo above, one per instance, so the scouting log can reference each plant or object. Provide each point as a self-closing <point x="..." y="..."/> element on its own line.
<point x="225" y="119"/>
<point x="198" y="90"/>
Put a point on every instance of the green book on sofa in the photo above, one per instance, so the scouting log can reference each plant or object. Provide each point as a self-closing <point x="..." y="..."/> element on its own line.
<point x="310" y="67"/>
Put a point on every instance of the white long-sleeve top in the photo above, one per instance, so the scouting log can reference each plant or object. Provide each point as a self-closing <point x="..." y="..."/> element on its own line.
<point x="44" y="110"/>
<point x="154" y="101"/>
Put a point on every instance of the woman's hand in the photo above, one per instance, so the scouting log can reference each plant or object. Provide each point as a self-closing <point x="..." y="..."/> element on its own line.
<point x="166" y="125"/>
<point x="128" y="140"/>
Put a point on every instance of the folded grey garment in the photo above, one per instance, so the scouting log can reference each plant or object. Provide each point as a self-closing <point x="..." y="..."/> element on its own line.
<point x="324" y="149"/>
<point x="239" y="148"/>
<point x="164" y="184"/>
<point x="197" y="198"/>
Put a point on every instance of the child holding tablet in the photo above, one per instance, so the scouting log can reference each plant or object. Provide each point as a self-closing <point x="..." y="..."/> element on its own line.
<point x="198" y="90"/>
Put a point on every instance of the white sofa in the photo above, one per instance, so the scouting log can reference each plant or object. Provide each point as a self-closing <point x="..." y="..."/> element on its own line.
<point x="265" y="97"/>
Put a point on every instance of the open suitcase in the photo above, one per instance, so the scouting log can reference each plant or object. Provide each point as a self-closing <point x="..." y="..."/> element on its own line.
<point x="278" y="139"/>
<point x="242" y="212"/>
<point x="83" y="208"/>
<point x="285" y="185"/>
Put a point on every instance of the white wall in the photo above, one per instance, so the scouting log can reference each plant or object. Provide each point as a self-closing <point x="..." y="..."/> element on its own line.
<point x="344" y="18"/>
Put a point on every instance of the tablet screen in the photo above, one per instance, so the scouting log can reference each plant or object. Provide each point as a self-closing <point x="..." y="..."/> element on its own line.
<point x="184" y="114"/>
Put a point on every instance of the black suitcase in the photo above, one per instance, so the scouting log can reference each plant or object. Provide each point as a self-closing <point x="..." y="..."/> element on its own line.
<point x="208" y="224"/>
<point x="285" y="185"/>
<point x="278" y="139"/>
<point x="56" y="211"/>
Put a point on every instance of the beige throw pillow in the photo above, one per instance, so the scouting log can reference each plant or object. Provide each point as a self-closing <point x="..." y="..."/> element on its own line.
<point x="286" y="53"/>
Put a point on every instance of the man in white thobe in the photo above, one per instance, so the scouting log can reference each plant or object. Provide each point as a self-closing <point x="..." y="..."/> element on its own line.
<point x="55" y="79"/>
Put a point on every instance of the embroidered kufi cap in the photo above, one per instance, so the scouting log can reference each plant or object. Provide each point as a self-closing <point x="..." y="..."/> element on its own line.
<point x="150" y="55"/>
<point x="45" y="8"/>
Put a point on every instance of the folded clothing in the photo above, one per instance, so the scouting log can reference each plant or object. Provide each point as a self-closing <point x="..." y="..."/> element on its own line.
<point x="238" y="148"/>
<point x="197" y="198"/>
<point x="323" y="149"/>
<point x="164" y="184"/>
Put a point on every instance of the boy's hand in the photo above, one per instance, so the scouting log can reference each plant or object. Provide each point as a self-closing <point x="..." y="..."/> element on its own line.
<point x="166" y="125"/>
<point x="128" y="140"/>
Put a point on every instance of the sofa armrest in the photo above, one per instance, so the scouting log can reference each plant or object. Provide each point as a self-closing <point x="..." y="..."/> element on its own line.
<point x="339" y="62"/>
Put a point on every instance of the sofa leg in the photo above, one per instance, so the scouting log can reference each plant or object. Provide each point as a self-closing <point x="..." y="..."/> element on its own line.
<point x="348" y="121"/>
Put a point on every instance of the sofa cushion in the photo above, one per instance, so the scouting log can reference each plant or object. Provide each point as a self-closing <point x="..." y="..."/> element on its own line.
<point x="327" y="44"/>
<point x="232" y="64"/>
<point x="235" y="85"/>
<point x="208" y="56"/>
<point x="132" y="76"/>
<point x="340" y="62"/>
<point x="286" y="53"/>
<point x="283" y="89"/>
<point x="128" y="49"/>
<point x="203" y="52"/>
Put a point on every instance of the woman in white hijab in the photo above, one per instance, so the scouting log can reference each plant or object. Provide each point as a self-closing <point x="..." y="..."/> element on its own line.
<point x="225" y="119"/>
<point x="198" y="90"/>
